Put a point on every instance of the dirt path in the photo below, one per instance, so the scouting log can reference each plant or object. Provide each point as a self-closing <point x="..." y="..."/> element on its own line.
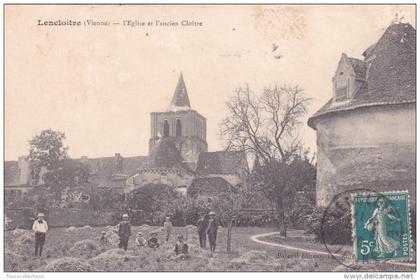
<point x="256" y="237"/>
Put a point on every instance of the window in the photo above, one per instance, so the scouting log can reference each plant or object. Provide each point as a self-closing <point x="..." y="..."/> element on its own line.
<point x="341" y="94"/>
<point x="165" y="128"/>
<point x="178" y="128"/>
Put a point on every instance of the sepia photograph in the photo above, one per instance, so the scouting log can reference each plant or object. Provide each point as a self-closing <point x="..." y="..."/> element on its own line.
<point x="210" y="138"/>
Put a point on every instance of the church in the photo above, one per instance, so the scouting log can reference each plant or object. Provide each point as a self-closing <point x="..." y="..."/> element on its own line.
<point x="178" y="157"/>
<point x="178" y="151"/>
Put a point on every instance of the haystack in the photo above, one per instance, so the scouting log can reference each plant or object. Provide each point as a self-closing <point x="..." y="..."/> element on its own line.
<point x="69" y="265"/>
<point x="11" y="261"/>
<point x="85" y="248"/>
<point x="26" y="237"/>
<point x="145" y="228"/>
<point x="109" y="260"/>
<point x="112" y="237"/>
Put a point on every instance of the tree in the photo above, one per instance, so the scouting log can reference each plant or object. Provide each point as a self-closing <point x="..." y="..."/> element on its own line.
<point x="153" y="202"/>
<point x="228" y="205"/>
<point x="267" y="126"/>
<point x="47" y="151"/>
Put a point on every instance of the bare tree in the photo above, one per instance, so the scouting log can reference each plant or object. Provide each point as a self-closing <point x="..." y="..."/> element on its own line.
<point x="267" y="126"/>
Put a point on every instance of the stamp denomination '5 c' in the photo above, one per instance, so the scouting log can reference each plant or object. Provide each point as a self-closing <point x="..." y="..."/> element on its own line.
<point x="381" y="227"/>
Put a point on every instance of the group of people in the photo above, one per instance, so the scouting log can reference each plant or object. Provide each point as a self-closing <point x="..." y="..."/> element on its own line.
<point x="206" y="227"/>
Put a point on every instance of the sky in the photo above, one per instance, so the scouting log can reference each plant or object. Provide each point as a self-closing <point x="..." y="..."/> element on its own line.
<point x="98" y="84"/>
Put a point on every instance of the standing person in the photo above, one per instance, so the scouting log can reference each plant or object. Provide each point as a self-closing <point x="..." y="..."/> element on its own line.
<point x="167" y="227"/>
<point x="40" y="227"/>
<point x="212" y="231"/>
<point x="201" y="228"/>
<point x="124" y="232"/>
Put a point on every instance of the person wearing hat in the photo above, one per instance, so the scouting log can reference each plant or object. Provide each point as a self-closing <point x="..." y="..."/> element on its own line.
<point x="140" y="241"/>
<point x="40" y="227"/>
<point x="153" y="241"/>
<point x="124" y="232"/>
<point x="212" y="231"/>
<point x="201" y="228"/>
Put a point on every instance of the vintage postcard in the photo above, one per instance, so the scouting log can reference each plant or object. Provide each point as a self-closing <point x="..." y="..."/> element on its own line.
<point x="229" y="138"/>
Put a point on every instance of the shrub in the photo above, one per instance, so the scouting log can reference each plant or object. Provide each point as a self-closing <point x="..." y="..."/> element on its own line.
<point x="152" y="203"/>
<point x="332" y="226"/>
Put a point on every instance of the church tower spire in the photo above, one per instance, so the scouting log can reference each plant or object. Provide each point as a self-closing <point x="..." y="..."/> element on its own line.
<point x="180" y="98"/>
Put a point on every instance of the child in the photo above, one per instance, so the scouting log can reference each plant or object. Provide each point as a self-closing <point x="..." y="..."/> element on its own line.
<point x="167" y="227"/>
<point x="103" y="240"/>
<point x="181" y="248"/>
<point x="153" y="242"/>
<point x="140" y="241"/>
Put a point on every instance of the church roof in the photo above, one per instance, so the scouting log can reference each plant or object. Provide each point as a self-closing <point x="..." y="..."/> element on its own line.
<point x="113" y="171"/>
<point x="223" y="162"/>
<point x="106" y="171"/>
<point x="180" y="100"/>
<point x="389" y="71"/>
<point x="165" y="156"/>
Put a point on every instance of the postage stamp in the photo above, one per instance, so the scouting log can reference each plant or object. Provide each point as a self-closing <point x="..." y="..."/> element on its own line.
<point x="381" y="227"/>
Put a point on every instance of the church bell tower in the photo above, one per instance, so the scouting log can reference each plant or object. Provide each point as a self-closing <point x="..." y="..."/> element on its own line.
<point x="182" y="125"/>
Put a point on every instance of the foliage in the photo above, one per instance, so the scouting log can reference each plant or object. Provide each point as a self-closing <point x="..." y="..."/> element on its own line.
<point x="47" y="149"/>
<point x="106" y="198"/>
<point x="48" y="157"/>
<point x="267" y="126"/>
<point x="152" y="202"/>
<point x="332" y="226"/>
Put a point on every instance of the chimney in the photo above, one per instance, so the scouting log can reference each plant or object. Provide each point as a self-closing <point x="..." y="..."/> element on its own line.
<point x="118" y="162"/>
<point x="24" y="170"/>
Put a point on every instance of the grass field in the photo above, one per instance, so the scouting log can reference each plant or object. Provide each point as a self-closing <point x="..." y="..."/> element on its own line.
<point x="78" y="249"/>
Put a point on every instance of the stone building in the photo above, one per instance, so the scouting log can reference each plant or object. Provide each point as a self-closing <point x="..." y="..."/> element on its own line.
<point x="366" y="131"/>
<point x="177" y="157"/>
<point x="178" y="153"/>
<point x="185" y="127"/>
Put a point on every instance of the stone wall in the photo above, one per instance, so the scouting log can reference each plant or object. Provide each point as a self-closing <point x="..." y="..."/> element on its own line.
<point x="370" y="148"/>
<point x="63" y="217"/>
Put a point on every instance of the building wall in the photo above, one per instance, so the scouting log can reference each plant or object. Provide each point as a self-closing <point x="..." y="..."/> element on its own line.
<point x="193" y="124"/>
<point x="166" y="177"/>
<point x="193" y="139"/>
<point x="370" y="148"/>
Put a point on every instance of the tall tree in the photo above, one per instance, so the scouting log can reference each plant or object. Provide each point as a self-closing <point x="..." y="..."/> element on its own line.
<point x="47" y="153"/>
<point x="268" y="127"/>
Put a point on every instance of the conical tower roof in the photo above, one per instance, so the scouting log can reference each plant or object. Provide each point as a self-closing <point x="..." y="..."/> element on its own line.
<point x="166" y="156"/>
<point x="180" y="99"/>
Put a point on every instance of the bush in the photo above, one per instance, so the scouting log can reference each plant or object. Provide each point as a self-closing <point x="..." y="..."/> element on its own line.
<point x="332" y="226"/>
<point x="153" y="202"/>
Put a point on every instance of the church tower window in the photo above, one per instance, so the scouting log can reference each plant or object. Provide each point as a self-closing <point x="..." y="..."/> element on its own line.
<point x="165" y="128"/>
<point x="178" y="128"/>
